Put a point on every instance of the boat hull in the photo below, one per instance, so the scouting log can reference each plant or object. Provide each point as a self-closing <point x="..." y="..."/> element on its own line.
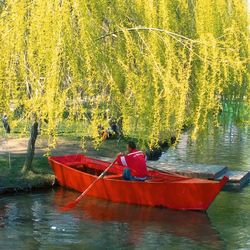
<point x="165" y="190"/>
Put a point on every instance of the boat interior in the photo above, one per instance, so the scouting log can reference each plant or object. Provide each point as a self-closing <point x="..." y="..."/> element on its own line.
<point x="116" y="172"/>
<point x="95" y="167"/>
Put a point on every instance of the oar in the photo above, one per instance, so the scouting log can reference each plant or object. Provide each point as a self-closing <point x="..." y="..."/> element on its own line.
<point x="78" y="199"/>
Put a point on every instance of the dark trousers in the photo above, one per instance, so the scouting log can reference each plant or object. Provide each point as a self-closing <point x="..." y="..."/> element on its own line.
<point x="128" y="177"/>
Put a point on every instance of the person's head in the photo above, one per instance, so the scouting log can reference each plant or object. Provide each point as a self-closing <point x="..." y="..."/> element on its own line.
<point x="131" y="146"/>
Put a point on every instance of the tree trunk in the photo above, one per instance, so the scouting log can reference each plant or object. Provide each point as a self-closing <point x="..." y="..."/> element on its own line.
<point x="6" y="124"/>
<point x="31" y="147"/>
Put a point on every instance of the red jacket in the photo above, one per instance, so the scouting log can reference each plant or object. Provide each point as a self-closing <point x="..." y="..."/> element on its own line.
<point x="136" y="161"/>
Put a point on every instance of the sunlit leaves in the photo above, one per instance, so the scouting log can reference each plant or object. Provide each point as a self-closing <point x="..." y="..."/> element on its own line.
<point x="153" y="66"/>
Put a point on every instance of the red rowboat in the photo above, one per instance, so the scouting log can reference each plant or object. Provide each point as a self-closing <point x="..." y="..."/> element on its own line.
<point x="160" y="189"/>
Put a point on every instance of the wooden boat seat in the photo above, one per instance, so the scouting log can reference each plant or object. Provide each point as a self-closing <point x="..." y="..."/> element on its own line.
<point x="87" y="169"/>
<point x="115" y="176"/>
<point x="119" y="177"/>
<point x="74" y="163"/>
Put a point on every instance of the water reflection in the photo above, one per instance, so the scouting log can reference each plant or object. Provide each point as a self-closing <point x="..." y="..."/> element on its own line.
<point x="228" y="146"/>
<point x="141" y="219"/>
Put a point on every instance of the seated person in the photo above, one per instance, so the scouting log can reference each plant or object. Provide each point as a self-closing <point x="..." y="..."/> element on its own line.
<point x="134" y="162"/>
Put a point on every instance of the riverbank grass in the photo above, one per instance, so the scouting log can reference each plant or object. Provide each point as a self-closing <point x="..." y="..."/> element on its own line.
<point x="12" y="177"/>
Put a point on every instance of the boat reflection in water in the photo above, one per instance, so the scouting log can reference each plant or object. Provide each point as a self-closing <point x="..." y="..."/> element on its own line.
<point x="195" y="226"/>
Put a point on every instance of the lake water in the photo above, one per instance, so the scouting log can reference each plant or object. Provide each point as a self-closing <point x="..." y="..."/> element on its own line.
<point x="33" y="221"/>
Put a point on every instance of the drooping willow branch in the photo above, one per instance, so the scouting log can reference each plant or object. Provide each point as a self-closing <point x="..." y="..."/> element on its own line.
<point x="174" y="35"/>
<point x="151" y="78"/>
<point x="141" y="28"/>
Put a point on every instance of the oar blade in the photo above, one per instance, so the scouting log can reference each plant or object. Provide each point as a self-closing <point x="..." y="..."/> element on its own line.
<point x="73" y="204"/>
<point x="68" y="207"/>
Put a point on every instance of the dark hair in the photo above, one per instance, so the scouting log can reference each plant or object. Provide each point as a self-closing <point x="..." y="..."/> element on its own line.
<point x="132" y="144"/>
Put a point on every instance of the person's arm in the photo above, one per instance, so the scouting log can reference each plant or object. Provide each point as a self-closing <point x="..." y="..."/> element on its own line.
<point x="145" y="155"/>
<point x="121" y="159"/>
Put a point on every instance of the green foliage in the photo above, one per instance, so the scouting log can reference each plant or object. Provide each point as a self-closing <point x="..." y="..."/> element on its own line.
<point x="14" y="178"/>
<point x="153" y="65"/>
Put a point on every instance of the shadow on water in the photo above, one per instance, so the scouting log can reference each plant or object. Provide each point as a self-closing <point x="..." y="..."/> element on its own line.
<point x="195" y="226"/>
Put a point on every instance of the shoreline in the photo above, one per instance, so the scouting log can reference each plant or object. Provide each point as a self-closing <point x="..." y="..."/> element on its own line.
<point x="28" y="188"/>
<point x="13" y="181"/>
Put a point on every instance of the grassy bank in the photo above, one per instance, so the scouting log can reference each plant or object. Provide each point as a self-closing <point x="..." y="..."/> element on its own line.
<point x="12" y="179"/>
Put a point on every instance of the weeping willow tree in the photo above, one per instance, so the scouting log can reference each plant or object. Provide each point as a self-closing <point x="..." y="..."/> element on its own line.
<point x="153" y="65"/>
